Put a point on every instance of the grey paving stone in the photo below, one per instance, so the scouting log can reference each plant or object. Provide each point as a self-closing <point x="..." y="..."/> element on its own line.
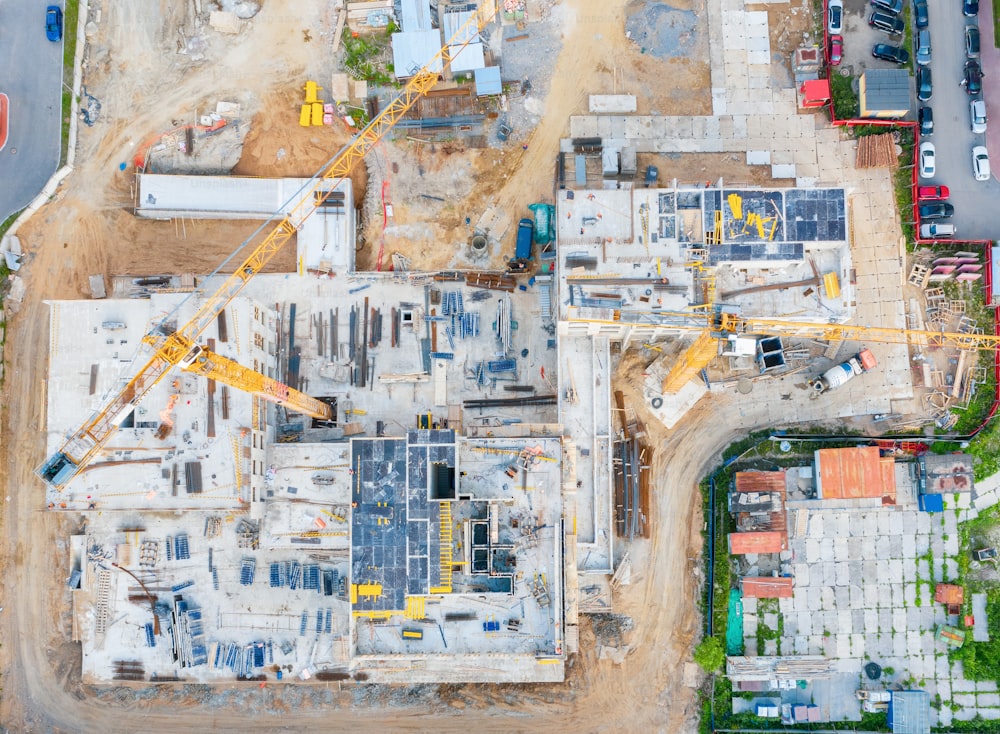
<point x="909" y="546"/>
<point x="896" y="524"/>
<point x="885" y="619"/>
<point x="923" y="523"/>
<point x="805" y="624"/>
<point x="827" y="598"/>
<point x="897" y="595"/>
<point x="857" y="597"/>
<point x="882" y="570"/>
<point x="826" y="553"/>
<point x="829" y="573"/>
<point x="814" y="599"/>
<point x="989" y="713"/>
<point x="813" y="552"/>
<point x="800" y="601"/>
<point x="770" y="647"/>
<point x="843" y="597"/>
<point x="951" y="569"/>
<point x="895" y="572"/>
<point x="986" y="686"/>
<point x="843" y="646"/>
<point x="800" y="645"/>
<point x="854" y="549"/>
<point x="909" y="569"/>
<point x="854" y="567"/>
<point x="868" y="548"/>
<point x="845" y="623"/>
<point x="965" y="700"/>
<point x="870" y="596"/>
<point x="858" y="620"/>
<point x="899" y="646"/>
<point x="749" y="605"/>
<point x="771" y="620"/>
<point x="944" y="688"/>
<point x="923" y="569"/>
<point x="843" y="574"/>
<point x="991" y="700"/>
<point x="895" y="546"/>
<point x="815" y="645"/>
<point x="898" y="620"/>
<point x="870" y="624"/>
<point x="951" y="545"/>
<point x="945" y="715"/>
<point x="858" y="646"/>
<point x="840" y="550"/>
<point x="802" y="574"/>
<point x="909" y="594"/>
<point x="882" y="547"/>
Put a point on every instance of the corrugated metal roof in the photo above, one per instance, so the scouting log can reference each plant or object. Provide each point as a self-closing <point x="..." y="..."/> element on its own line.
<point x="768" y="541"/>
<point x="855" y="473"/>
<point x="767" y="587"/>
<point x="760" y="481"/>
<point x="411" y="50"/>
<point x="488" y="81"/>
<point x="415" y="15"/>
<point x="453" y="19"/>
<point x="886" y="89"/>
<point x="910" y="712"/>
<point x="467" y="59"/>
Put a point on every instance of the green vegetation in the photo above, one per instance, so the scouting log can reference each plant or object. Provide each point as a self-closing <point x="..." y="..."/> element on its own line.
<point x="908" y="36"/>
<point x="902" y="184"/>
<point x="70" y="15"/>
<point x="366" y="57"/>
<point x="981" y="660"/>
<point x="710" y="654"/>
<point x="845" y="100"/>
<point x="996" y="23"/>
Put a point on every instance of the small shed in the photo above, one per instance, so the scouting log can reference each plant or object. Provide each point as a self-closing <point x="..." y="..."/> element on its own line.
<point x="951" y="595"/>
<point x="767" y="587"/>
<point x="758" y="542"/>
<point x="910" y="712"/>
<point x="488" y="81"/>
<point x="814" y="93"/>
<point x="885" y="93"/>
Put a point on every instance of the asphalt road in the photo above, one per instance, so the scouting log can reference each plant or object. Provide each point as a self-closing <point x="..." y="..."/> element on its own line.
<point x="32" y="79"/>
<point x="976" y="216"/>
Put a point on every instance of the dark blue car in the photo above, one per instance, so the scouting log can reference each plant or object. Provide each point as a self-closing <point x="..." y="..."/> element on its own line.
<point x="53" y="23"/>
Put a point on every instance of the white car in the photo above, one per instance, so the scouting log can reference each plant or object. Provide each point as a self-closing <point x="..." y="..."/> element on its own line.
<point x="927" y="160"/>
<point x="981" y="163"/>
<point x="835" y="17"/>
<point x="977" y="111"/>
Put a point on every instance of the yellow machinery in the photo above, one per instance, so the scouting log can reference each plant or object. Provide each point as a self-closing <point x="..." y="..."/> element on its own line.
<point x="722" y="325"/>
<point x="181" y="349"/>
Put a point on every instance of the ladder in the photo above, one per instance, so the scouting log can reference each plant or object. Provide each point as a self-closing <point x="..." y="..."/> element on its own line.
<point x="444" y="531"/>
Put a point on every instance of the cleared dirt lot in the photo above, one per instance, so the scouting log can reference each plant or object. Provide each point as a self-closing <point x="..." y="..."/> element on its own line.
<point x="144" y="85"/>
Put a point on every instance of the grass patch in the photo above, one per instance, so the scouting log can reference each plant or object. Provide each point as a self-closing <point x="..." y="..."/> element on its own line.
<point x="71" y="14"/>
<point x="845" y="100"/>
<point x="366" y="57"/>
<point x="902" y="185"/>
<point x="908" y="37"/>
<point x="996" y="23"/>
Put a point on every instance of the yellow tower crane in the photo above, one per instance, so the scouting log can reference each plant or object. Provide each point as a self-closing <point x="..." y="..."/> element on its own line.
<point x="180" y="349"/>
<point x="715" y="326"/>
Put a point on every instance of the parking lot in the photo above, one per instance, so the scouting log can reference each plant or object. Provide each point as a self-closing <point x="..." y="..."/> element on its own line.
<point x="953" y="137"/>
<point x="975" y="201"/>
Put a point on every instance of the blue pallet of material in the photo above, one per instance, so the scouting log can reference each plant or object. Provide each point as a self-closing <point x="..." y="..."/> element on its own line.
<point x="275" y="575"/>
<point x="491" y="626"/>
<point x="501" y="365"/>
<point x="302" y="626"/>
<point x="328" y="625"/>
<point x="215" y="578"/>
<point x="319" y="621"/>
<point x="182" y="585"/>
<point x="295" y="575"/>
<point x="218" y="656"/>
<point x="270" y="652"/>
<point x="248" y="571"/>
<point x="442" y="355"/>
<point x="328" y="583"/>
<point x="150" y="637"/>
<point x="181" y="550"/>
<point x="258" y="654"/>
<point x="170" y="548"/>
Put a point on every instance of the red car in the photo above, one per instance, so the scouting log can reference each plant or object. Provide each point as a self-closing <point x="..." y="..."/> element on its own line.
<point x="932" y="193"/>
<point x="836" y="50"/>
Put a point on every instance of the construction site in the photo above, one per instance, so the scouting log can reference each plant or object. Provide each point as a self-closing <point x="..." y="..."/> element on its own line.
<point x="378" y="394"/>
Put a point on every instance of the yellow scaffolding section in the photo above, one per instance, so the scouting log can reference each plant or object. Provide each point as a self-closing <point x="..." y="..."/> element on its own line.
<point x="415" y="606"/>
<point x="693" y="361"/>
<point x="444" y="533"/>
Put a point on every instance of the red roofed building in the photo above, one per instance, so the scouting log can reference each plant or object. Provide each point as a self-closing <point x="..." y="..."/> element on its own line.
<point x="858" y="472"/>
<point x="767" y="587"/>
<point x="769" y="541"/>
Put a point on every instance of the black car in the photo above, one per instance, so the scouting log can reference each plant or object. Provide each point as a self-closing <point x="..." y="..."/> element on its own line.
<point x="924" y="83"/>
<point x="970" y="8"/>
<point x="891" y="53"/>
<point x="890" y="6"/>
<point x="937" y="210"/>
<point x="973" y="81"/>
<point x="920" y="13"/>
<point x="886" y="22"/>
<point x="925" y="116"/>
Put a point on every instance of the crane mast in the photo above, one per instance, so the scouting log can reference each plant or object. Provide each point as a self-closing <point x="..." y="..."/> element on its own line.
<point x="181" y="348"/>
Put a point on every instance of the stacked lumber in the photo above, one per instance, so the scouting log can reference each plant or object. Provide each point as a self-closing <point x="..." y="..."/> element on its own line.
<point x="358" y="13"/>
<point x="876" y="151"/>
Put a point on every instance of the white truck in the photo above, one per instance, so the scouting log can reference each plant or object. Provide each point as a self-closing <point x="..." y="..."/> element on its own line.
<point x="836" y="376"/>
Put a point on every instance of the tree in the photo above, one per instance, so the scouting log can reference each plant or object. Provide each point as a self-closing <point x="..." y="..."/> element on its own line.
<point x="709" y="654"/>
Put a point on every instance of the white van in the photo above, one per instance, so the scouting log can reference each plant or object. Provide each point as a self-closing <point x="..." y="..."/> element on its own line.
<point x="937" y="231"/>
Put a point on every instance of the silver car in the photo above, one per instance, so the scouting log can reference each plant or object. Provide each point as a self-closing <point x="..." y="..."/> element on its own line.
<point x="977" y="112"/>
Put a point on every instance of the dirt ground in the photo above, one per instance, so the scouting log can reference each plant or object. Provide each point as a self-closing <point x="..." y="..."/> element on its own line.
<point x="88" y="228"/>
